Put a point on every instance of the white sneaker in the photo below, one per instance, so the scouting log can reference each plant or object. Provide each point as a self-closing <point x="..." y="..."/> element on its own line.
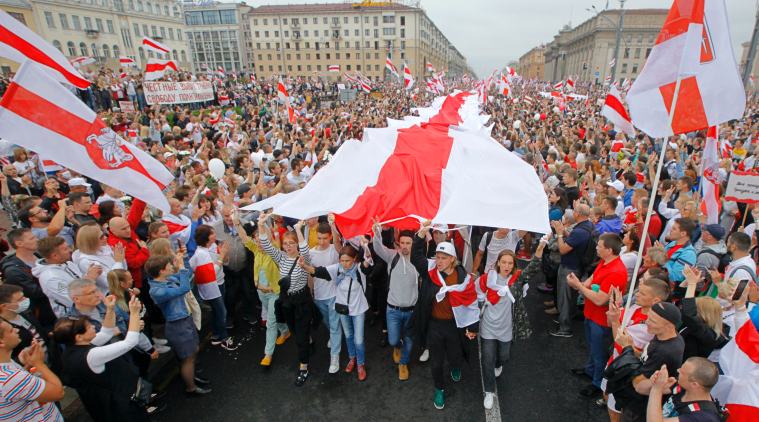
<point x="425" y="356"/>
<point x="334" y="364"/>
<point x="498" y="371"/>
<point x="329" y="344"/>
<point x="489" y="398"/>
<point x="161" y="341"/>
<point x="161" y="349"/>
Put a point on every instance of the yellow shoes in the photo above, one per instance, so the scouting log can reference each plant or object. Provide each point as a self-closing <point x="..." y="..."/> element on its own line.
<point x="403" y="372"/>
<point x="396" y="355"/>
<point x="283" y="338"/>
<point x="266" y="361"/>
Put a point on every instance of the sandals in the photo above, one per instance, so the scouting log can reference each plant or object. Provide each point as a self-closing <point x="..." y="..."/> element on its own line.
<point x="302" y="377"/>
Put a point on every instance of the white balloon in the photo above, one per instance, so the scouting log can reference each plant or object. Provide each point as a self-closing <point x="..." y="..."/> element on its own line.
<point x="556" y="110"/>
<point x="517" y="124"/>
<point x="216" y="168"/>
<point x="537" y="116"/>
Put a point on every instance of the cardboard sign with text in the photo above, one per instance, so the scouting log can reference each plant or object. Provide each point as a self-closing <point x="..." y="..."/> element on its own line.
<point x="126" y="106"/>
<point x="743" y="186"/>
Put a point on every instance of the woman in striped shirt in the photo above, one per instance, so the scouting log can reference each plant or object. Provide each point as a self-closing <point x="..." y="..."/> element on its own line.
<point x="294" y="296"/>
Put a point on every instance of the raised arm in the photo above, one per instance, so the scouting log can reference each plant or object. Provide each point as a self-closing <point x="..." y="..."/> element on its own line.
<point x="264" y="232"/>
<point x="337" y="239"/>
<point x="418" y="257"/>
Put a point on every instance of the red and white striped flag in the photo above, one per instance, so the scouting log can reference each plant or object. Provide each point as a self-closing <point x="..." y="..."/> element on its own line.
<point x="285" y="98"/>
<point x="82" y="61"/>
<point x="391" y="67"/>
<point x="725" y="149"/>
<point x="738" y="385"/>
<point x="366" y="86"/>
<point x="220" y="72"/>
<point x="206" y="271"/>
<point x="570" y="84"/>
<point x="334" y="68"/>
<point x="710" y="204"/>
<point x="40" y="114"/>
<point x="558" y="86"/>
<point x="505" y="87"/>
<point x="48" y="166"/>
<point x="156" y="68"/>
<point x="127" y="61"/>
<point x="19" y="43"/>
<point x="154" y="45"/>
<point x="607" y="80"/>
<point x="122" y="75"/>
<point x="408" y="80"/>
<point x="612" y="62"/>
<point x="430" y="68"/>
<point x="615" y="111"/>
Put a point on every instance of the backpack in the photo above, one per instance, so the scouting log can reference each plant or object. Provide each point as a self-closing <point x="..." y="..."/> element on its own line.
<point x="393" y="263"/>
<point x="724" y="259"/>
<point x="488" y="236"/>
<point x="589" y="258"/>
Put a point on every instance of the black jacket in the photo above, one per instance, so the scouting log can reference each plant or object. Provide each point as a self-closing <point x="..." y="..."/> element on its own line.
<point x="427" y="290"/>
<point x="700" y="339"/>
<point x="15" y="271"/>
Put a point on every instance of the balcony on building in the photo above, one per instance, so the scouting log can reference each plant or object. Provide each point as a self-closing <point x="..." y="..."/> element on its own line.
<point x="92" y="33"/>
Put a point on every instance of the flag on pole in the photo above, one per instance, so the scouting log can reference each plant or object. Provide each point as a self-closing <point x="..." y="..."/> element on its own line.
<point x="19" y="43"/>
<point x="366" y="86"/>
<point x="615" y="111"/>
<point x="220" y="72"/>
<point x="430" y="68"/>
<point x="710" y="204"/>
<point x="693" y="48"/>
<point x="612" y="62"/>
<point x="738" y="386"/>
<point x="391" y="67"/>
<point x="558" y="86"/>
<point x="408" y="80"/>
<point x="285" y="98"/>
<point x="156" y="68"/>
<point x="126" y="61"/>
<point x="154" y="45"/>
<point x="48" y="166"/>
<point x="40" y="114"/>
<point x="570" y="84"/>
<point x="334" y="68"/>
<point x="82" y="61"/>
<point x="726" y="149"/>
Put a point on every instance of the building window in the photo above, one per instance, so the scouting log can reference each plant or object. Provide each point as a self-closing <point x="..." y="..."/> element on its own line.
<point x="18" y="16"/>
<point x="49" y="20"/>
<point x="145" y="30"/>
<point x="116" y="51"/>
<point x="337" y="56"/>
<point x="624" y="68"/>
<point x="71" y="48"/>
<point x="154" y="30"/>
<point x="95" y="52"/>
<point x="318" y="68"/>
<point x="99" y="25"/>
<point x="324" y="21"/>
<point x="184" y="57"/>
<point x="87" y="23"/>
<point x="166" y="10"/>
<point x="106" y="51"/>
<point x="228" y="17"/>
<point x="139" y="5"/>
<point x="308" y="67"/>
<point x="637" y="53"/>
<point x="109" y="25"/>
<point x="137" y="30"/>
<point x="318" y="56"/>
<point x="376" y="20"/>
<point x="64" y="21"/>
<point x="83" y="49"/>
<point x="142" y="53"/>
<point x="193" y="18"/>
<point x="276" y="34"/>
<point x="635" y="69"/>
<point x="627" y="53"/>
<point x="388" y="31"/>
<point x="403" y="20"/>
<point x="171" y="33"/>
<point x="328" y="56"/>
<point x="388" y="19"/>
<point x="179" y="34"/>
<point x="648" y="51"/>
<point x="57" y="44"/>
<point x="403" y="32"/>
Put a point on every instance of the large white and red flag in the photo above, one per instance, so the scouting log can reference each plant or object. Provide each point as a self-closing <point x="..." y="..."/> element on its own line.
<point x="156" y="68"/>
<point x="82" y="61"/>
<point x="154" y="45"/>
<point x="40" y="114"/>
<point x="504" y="86"/>
<point x="693" y="47"/>
<point x="615" y="111"/>
<point x="408" y="80"/>
<point x="19" y="43"/>
<point x="738" y="386"/>
<point x="710" y="204"/>
<point x="428" y="170"/>
<point x="285" y="98"/>
<point x="391" y="67"/>
<point x="334" y="68"/>
<point x="126" y="61"/>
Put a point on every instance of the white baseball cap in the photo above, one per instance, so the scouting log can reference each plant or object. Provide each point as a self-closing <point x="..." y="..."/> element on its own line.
<point x="618" y="185"/>
<point x="78" y="181"/>
<point x="446" y="248"/>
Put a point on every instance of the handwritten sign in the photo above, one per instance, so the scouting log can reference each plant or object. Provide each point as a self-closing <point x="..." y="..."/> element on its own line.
<point x="177" y="92"/>
<point x="126" y="106"/>
<point x="743" y="186"/>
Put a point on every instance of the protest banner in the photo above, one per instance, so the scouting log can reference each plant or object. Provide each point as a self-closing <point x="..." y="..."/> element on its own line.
<point x="126" y="106"/>
<point x="177" y="92"/>
<point x="743" y="186"/>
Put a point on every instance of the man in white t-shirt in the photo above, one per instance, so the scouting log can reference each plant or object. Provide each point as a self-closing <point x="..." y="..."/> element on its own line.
<point x="325" y="253"/>
<point x="742" y="266"/>
<point x="495" y="242"/>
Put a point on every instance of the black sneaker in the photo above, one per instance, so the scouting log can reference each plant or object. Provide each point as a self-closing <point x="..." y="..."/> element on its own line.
<point x="560" y="333"/>
<point x="301" y="378"/>
<point x="197" y="392"/>
<point x="154" y="409"/>
<point x="590" y="391"/>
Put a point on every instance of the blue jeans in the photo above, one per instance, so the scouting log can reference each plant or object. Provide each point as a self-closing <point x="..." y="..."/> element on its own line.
<point x="331" y="320"/>
<point x="397" y="328"/>
<point x="273" y="328"/>
<point x="598" y="339"/>
<point x="353" y="327"/>
<point x="219" y="318"/>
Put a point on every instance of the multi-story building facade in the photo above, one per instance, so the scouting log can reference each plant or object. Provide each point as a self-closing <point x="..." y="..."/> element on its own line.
<point x="305" y="39"/>
<point x="214" y="32"/>
<point x="586" y="50"/>
<point x="22" y="11"/>
<point x="532" y="63"/>
<point x="107" y="29"/>
<point x="743" y="61"/>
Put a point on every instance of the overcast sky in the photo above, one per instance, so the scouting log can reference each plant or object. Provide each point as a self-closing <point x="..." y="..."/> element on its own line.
<point x="490" y="33"/>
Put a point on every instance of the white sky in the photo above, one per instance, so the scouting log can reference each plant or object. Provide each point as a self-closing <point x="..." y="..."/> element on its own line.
<point x="490" y="33"/>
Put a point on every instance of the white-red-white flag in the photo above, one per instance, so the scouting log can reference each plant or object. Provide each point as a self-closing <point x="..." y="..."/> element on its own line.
<point x="391" y="67"/>
<point x="40" y="114"/>
<point x="82" y="61"/>
<point x="558" y="85"/>
<point x="693" y="47"/>
<point x="505" y="87"/>
<point x="725" y="149"/>
<point x="570" y="84"/>
<point x="157" y="68"/>
<point x="615" y="111"/>
<point x="126" y="61"/>
<point x="154" y="45"/>
<point x="285" y="98"/>
<point x="710" y="204"/>
<point x="19" y="43"/>
<point x="430" y="68"/>
<point x="408" y="80"/>
<point x="613" y="62"/>
<point x="334" y="68"/>
<point x="366" y="86"/>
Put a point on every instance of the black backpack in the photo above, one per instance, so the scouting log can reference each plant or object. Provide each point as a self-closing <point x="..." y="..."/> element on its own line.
<point x="724" y="258"/>
<point x="488" y="236"/>
<point x="589" y="257"/>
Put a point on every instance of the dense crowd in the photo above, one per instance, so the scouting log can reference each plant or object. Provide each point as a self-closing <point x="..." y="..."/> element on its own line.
<point x="98" y="284"/>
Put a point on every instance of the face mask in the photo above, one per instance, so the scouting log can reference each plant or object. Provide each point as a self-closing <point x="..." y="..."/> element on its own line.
<point x="66" y="175"/>
<point x="23" y="306"/>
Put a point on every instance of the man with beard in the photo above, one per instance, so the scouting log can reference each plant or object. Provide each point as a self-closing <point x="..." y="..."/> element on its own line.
<point x="43" y="225"/>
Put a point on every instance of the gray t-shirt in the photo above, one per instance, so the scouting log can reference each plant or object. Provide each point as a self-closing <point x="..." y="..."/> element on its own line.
<point x="496" y="245"/>
<point x="496" y="322"/>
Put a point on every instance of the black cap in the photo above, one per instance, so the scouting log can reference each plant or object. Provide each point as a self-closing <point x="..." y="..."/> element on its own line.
<point x="669" y="312"/>
<point x="243" y="188"/>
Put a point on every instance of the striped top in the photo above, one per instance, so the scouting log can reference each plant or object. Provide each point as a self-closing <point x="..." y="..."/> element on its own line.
<point x="18" y="393"/>
<point x="299" y="277"/>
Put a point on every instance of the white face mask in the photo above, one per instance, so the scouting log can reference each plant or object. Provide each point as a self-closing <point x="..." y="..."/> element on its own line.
<point x="23" y="306"/>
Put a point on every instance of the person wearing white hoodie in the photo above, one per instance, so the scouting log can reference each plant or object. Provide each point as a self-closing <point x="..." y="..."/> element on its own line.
<point x="94" y="250"/>
<point x="56" y="271"/>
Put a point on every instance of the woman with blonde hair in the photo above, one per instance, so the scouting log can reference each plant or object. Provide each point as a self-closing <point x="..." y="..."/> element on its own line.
<point x="23" y="164"/>
<point x="92" y="249"/>
<point x="703" y="329"/>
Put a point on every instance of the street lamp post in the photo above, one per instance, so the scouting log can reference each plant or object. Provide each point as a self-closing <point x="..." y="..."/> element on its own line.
<point x="751" y="50"/>
<point x="619" y="37"/>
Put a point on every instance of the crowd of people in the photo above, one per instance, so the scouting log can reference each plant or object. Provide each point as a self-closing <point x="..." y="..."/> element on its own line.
<point x="96" y="284"/>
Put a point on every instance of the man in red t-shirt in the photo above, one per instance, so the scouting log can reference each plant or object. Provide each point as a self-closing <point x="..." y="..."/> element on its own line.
<point x="609" y="273"/>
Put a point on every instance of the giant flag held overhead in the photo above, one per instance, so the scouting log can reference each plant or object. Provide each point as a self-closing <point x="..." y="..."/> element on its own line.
<point x="19" y="43"/>
<point x="285" y="98"/>
<point x="408" y="80"/>
<point x="40" y="114"/>
<point x="693" y="52"/>
<point x="154" y="45"/>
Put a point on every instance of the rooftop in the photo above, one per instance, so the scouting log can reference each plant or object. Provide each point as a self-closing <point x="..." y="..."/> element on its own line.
<point x="327" y="7"/>
<point x="21" y="4"/>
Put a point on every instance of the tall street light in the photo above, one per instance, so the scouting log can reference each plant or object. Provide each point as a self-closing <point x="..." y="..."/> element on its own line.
<point x="619" y="37"/>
